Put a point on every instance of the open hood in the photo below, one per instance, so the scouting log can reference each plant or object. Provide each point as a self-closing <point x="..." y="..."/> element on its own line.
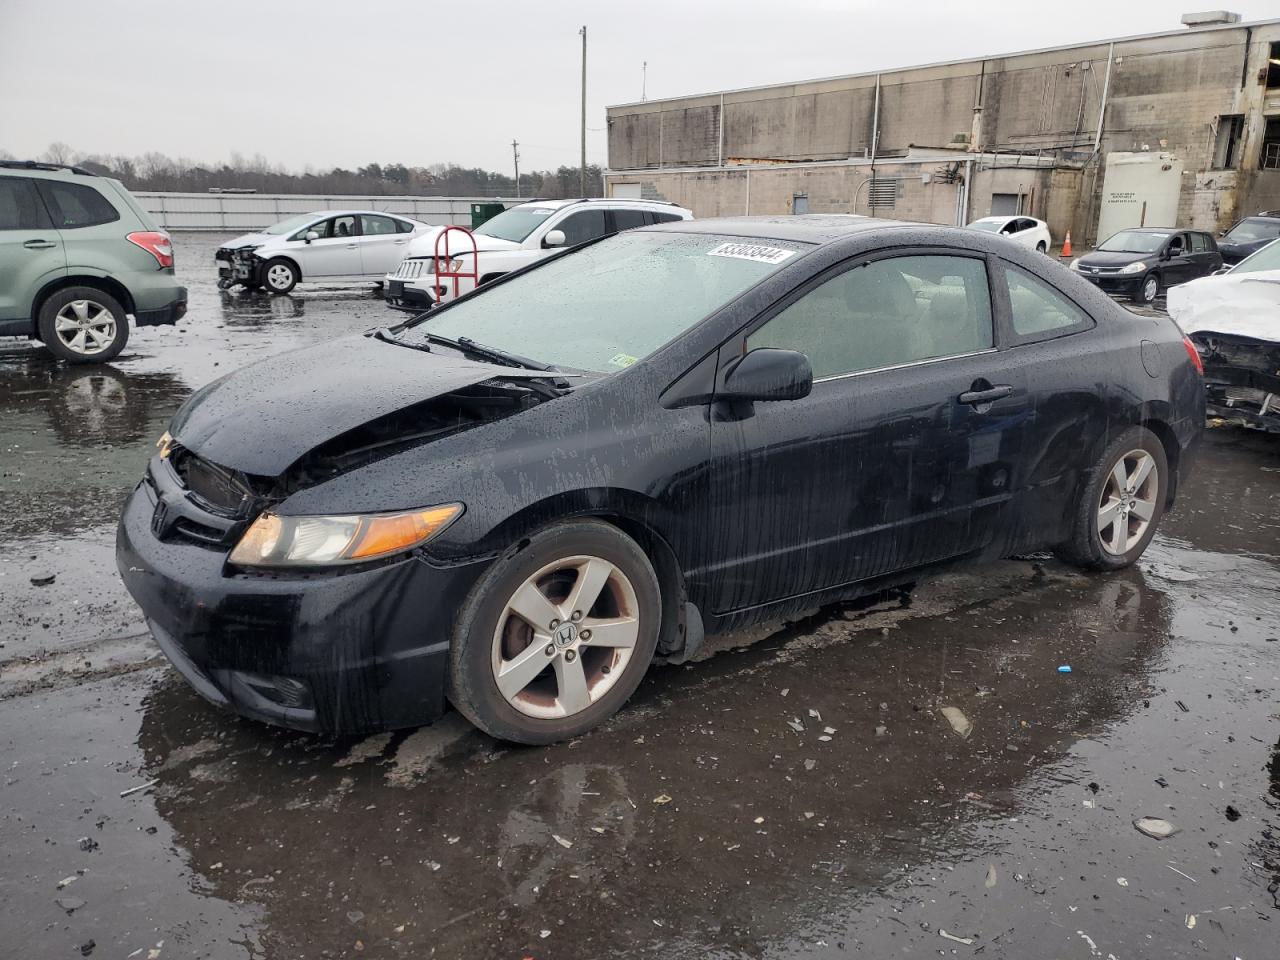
<point x="264" y="417"/>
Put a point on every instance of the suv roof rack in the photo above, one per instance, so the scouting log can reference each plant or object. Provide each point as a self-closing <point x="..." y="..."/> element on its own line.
<point x="668" y="203"/>
<point x="41" y="165"/>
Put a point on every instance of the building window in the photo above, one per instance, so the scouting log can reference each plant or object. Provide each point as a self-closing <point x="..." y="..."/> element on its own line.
<point x="1226" y="149"/>
<point x="1273" y="68"/>
<point x="1271" y="145"/>
<point x="883" y="192"/>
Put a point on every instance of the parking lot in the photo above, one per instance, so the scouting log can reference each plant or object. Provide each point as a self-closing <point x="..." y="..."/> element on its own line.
<point x="796" y="792"/>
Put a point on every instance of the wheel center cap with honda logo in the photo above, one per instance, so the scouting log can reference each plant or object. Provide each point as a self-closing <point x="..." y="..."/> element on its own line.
<point x="565" y="634"/>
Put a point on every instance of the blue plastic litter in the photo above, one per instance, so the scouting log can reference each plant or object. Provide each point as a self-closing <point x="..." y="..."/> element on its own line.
<point x="1064" y="669"/>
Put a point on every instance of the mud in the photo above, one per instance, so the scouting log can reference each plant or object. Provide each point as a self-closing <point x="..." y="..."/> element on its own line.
<point x="714" y="817"/>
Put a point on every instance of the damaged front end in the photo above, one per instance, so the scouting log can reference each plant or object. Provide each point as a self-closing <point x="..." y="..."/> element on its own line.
<point x="1242" y="379"/>
<point x="237" y="265"/>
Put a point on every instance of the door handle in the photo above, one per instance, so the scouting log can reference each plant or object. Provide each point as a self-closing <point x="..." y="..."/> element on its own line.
<point x="976" y="397"/>
<point x="39" y="244"/>
<point x="351" y="246"/>
<point x="401" y="243"/>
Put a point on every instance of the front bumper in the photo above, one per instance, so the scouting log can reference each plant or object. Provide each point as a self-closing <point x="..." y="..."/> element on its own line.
<point x="408" y="296"/>
<point x="349" y="653"/>
<point x="1121" y="285"/>
<point x="170" y="313"/>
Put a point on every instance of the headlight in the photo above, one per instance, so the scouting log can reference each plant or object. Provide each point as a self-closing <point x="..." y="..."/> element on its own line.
<point x="165" y="445"/>
<point x="450" y="266"/>
<point x="276" y="541"/>
<point x="1135" y="267"/>
<point x="1075" y="264"/>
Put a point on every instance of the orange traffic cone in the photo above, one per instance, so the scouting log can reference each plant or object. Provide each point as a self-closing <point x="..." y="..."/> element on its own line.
<point x="1066" y="245"/>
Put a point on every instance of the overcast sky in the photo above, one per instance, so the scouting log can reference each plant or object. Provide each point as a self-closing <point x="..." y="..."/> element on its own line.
<point x="338" y="82"/>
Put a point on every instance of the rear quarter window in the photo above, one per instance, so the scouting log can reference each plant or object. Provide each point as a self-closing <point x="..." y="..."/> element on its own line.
<point x="75" y="205"/>
<point x="1038" y="311"/>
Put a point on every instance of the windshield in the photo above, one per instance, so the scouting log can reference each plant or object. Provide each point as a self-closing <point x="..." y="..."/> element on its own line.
<point x="293" y="223"/>
<point x="992" y="225"/>
<point x="515" y="224"/>
<point x="610" y="304"/>
<point x="1254" y="228"/>
<point x="1268" y="258"/>
<point x="1133" y="241"/>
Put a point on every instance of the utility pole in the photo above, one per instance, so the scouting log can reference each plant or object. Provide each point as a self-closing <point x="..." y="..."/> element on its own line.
<point x="582" y="180"/>
<point x="644" y="79"/>
<point x="515" y="155"/>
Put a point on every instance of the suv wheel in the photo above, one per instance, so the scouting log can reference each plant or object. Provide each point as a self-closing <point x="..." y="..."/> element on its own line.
<point x="83" y="325"/>
<point x="279" y="275"/>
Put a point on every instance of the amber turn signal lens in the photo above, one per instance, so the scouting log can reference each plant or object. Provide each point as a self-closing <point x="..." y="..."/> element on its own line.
<point x="380" y="536"/>
<point x="165" y="445"/>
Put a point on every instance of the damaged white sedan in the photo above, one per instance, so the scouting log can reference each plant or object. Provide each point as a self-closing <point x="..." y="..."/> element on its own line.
<point x="1234" y="321"/>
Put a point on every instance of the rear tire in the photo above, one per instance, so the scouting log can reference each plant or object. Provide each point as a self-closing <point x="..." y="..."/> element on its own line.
<point x="1042" y="247"/>
<point x="279" y="275"/>
<point x="83" y="325"/>
<point x="597" y="657"/>
<point x="1121" y="504"/>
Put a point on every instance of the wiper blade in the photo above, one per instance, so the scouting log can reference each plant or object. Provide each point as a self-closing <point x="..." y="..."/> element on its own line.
<point x="467" y="345"/>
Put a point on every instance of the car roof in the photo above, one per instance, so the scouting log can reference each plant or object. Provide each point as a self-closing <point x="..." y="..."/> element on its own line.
<point x="620" y="201"/>
<point x="348" y="213"/>
<point x="805" y="228"/>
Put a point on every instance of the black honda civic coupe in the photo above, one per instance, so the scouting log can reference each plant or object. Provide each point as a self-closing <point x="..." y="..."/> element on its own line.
<point x="513" y="503"/>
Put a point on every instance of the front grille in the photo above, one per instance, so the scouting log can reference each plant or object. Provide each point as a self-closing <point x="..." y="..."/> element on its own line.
<point x="226" y="491"/>
<point x="198" y="532"/>
<point x="412" y="269"/>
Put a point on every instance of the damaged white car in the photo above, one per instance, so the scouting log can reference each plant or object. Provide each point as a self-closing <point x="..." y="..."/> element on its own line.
<point x="1234" y="321"/>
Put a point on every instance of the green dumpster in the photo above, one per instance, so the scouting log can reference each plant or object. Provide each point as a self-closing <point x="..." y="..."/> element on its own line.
<point x="480" y="212"/>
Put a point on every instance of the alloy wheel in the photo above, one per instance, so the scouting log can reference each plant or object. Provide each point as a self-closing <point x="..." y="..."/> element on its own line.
<point x="85" y="327"/>
<point x="1128" y="502"/>
<point x="1150" y="287"/>
<point x="279" y="276"/>
<point x="565" y="637"/>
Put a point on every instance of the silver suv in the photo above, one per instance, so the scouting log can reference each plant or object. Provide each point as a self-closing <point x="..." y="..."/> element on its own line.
<point x="79" y="259"/>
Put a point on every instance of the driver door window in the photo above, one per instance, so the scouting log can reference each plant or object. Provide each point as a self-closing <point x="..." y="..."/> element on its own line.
<point x="885" y="314"/>
<point x="582" y="226"/>
<point x="324" y="228"/>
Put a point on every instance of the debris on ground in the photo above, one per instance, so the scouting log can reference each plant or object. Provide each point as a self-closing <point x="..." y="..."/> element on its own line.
<point x="355" y="916"/>
<point x="1161" y="782"/>
<point x="810" y="764"/>
<point x="881" y="731"/>
<point x="88" y="844"/>
<point x="86" y="948"/>
<point x="1156" y="828"/>
<point x="662" y="798"/>
<point x="44" y="581"/>
<point x="66" y="881"/>
<point x="991" y="876"/>
<point x="1065" y="668"/>
<point x="959" y="722"/>
<point x="69" y="904"/>
<point x="567" y="844"/>
<point x="1232" y="813"/>
<point x="1122" y="881"/>
<point x="796" y="725"/>
<point x="138" y="789"/>
<point x="1182" y="706"/>
<point x="815" y="714"/>
<point x="954" y="939"/>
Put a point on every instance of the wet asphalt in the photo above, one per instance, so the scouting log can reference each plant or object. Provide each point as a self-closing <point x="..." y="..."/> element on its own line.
<point x="797" y="792"/>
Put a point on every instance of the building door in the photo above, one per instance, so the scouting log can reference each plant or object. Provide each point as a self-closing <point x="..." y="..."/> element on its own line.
<point x="1005" y="205"/>
<point x="627" y="191"/>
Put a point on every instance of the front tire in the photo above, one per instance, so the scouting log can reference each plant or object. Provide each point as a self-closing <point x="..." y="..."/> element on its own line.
<point x="1123" y="500"/>
<point x="1150" y="288"/>
<point x="83" y="325"/>
<point x="555" y="638"/>
<point x="279" y="275"/>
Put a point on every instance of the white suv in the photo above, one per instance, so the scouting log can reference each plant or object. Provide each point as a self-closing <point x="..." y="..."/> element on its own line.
<point x="516" y="238"/>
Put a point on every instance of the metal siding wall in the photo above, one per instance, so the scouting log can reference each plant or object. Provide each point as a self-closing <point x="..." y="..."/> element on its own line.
<point x="243" y="212"/>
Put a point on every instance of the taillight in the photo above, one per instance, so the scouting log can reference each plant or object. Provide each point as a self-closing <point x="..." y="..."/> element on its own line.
<point x="1194" y="354"/>
<point x="155" y="243"/>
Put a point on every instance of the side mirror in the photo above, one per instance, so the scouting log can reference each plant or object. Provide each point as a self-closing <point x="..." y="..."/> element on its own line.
<point x="554" y="238"/>
<point x="768" y="373"/>
<point x="311" y="235"/>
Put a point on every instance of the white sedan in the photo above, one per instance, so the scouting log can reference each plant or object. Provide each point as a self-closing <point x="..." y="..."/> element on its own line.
<point x="328" y="245"/>
<point x="1027" y="231"/>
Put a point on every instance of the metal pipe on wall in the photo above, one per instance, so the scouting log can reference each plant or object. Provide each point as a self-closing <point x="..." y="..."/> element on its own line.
<point x="720" y="147"/>
<point x="1106" y="90"/>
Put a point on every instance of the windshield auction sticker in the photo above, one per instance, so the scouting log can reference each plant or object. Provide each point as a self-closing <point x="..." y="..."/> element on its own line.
<point x="751" y="251"/>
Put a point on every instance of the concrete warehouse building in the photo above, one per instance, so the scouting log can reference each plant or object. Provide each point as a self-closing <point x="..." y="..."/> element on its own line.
<point x="1183" y="125"/>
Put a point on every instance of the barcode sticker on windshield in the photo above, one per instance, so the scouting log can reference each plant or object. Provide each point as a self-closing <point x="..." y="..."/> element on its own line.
<point x="751" y="251"/>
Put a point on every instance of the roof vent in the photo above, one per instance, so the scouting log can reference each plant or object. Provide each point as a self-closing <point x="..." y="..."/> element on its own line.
<point x="1209" y="18"/>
